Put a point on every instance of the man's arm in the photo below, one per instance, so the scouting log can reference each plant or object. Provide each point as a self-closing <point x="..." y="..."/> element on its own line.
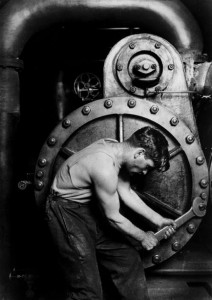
<point x="105" y="180"/>
<point x="133" y="201"/>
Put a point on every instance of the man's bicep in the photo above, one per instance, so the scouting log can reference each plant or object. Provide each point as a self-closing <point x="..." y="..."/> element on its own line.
<point x="105" y="186"/>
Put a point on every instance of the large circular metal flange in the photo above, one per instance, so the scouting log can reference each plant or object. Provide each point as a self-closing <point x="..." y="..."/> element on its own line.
<point x="158" y="117"/>
<point x="144" y="64"/>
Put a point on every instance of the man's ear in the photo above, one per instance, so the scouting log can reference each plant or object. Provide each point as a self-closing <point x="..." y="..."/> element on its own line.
<point x="139" y="152"/>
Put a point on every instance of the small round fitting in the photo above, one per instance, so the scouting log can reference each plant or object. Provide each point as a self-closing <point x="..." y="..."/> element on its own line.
<point x="66" y="123"/>
<point x="51" y="141"/>
<point x="203" y="196"/>
<point x="203" y="183"/>
<point x="156" y="259"/>
<point x="190" y="139"/>
<point x="42" y="162"/>
<point x="132" y="45"/>
<point x="39" y="185"/>
<point x="157" y="45"/>
<point x="171" y="67"/>
<point x="191" y="228"/>
<point x="108" y="103"/>
<point x="39" y="174"/>
<point x="174" y="121"/>
<point x="200" y="160"/>
<point x="131" y="103"/>
<point x="176" y="246"/>
<point x="119" y="67"/>
<point x="202" y="206"/>
<point x="154" y="109"/>
<point x="132" y="89"/>
<point x="158" y="89"/>
<point x="86" y="110"/>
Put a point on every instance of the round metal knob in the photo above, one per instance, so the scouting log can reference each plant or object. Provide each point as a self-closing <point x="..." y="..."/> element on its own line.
<point x="131" y="103"/>
<point x="190" y="139"/>
<point x="203" y="183"/>
<point x="39" y="185"/>
<point x="51" y="141"/>
<point x="200" y="160"/>
<point x="176" y="246"/>
<point x="203" y="196"/>
<point x="39" y="174"/>
<point x="174" y="121"/>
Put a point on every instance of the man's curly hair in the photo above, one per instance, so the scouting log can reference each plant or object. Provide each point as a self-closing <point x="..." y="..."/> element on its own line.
<point x="155" y="145"/>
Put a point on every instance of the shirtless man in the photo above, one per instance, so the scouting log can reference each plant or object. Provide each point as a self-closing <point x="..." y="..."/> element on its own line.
<point x="84" y="215"/>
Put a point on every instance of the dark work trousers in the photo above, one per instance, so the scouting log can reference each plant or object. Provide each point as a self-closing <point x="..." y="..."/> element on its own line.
<point x="82" y="239"/>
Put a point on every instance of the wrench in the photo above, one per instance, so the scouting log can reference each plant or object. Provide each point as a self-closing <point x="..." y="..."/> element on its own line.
<point x="198" y="209"/>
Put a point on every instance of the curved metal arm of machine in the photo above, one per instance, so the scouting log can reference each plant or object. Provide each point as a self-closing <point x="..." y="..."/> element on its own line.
<point x="198" y="209"/>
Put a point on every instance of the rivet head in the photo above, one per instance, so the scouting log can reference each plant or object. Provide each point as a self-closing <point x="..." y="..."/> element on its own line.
<point x="191" y="228"/>
<point x="39" y="185"/>
<point x="174" y="121"/>
<point x="108" y="103"/>
<point x="157" y="45"/>
<point x="131" y="103"/>
<point x="119" y="67"/>
<point x="132" y="89"/>
<point x="154" y="109"/>
<point x="176" y="246"/>
<point x="51" y="141"/>
<point x="200" y="160"/>
<point x="132" y="45"/>
<point x="86" y="110"/>
<point x="66" y="123"/>
<point x="203" y="196"/>
<point x="42" y="162"/>
<point x="156" y="259"/>
<point x="202" y="206"/>
<point x="39" y="174"/>
<point x="203" y="183"/>
<point x="171" y="67"/>
<point x="190" y="139"/>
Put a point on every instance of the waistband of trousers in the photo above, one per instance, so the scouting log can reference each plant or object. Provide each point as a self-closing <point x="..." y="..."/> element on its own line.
<point x="54" y="196"/>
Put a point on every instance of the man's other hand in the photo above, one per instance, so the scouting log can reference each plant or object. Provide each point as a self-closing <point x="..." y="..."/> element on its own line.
<point x="149" y="240"/>
<point x="172" y="226"/>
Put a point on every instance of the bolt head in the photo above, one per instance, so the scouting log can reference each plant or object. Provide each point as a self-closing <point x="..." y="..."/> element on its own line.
<point x="190" y="139"/>
<point x="171" y="67"/>
<point x="86" y="110"/>
<point x="39" y="185"/>
<point x="119" y="67"/>
<point x="157" y="45"/>
<point x="154" y="109"/>
<point x="176" y="246"/>
<point x="66" y="123"/>
<point x="131" y="103"/>
<point x="51" y="141"/>
<point x="191" y="228"/>
<point x="200" y="160"/>
<point x="39" y="174"/>
<point x="174" y="121"/>
<point x="156" y="259"/>
<point x="132" y="45"/>
<point x="203" y="183"/>
<point x="133" y="89"/>
<point x="108" y="103"/>
<point x="203" y="196"/>
<point x="42" y="162"/>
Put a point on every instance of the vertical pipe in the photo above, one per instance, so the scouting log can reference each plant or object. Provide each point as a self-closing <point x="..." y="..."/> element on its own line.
<point x="120" y="128"/>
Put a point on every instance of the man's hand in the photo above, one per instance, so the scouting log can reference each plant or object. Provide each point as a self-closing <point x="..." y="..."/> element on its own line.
<point x="149" y="241"/>
<point x="172" y="226"/>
